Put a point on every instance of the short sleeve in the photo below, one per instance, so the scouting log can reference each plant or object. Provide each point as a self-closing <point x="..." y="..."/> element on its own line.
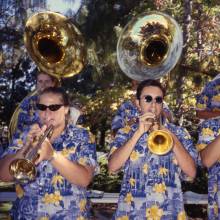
<point x="86" y="150"/>
<point x="126" y="112"/>
<point x="208" y="130"/>
<point x="15" y="145"/>
<point x="209" y="98"/>
<point x="122" y="136"/>
<point x="185" y="139"/>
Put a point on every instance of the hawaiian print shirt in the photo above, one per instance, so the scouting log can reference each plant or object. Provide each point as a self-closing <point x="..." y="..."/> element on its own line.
<point x="208" y="131"/>
<point x="128" y="113"/>
<point x="27" y="114"/>
<point x="209" y="98"/>
<point x="51" y="196"/>
<point x="151" y="187"/>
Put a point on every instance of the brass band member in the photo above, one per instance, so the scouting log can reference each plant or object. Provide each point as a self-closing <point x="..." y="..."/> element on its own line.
<point x="65" y="166"/>
<point x="151" y="187"/>
<point x="208" y="105"/>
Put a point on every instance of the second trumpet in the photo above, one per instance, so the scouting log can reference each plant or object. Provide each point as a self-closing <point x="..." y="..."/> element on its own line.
<point x="23" y="169"/>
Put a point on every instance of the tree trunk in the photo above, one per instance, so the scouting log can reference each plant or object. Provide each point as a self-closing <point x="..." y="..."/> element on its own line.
<point x="198" y="29"/>
<point x="187" y="4"/>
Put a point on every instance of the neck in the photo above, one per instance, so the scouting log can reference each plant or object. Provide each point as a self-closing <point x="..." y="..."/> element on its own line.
<point x="57" y="132"/>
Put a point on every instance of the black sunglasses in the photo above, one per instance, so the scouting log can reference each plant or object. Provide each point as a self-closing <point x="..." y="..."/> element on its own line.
<point x="52" y="108"/>
<point x="149" y="98"/>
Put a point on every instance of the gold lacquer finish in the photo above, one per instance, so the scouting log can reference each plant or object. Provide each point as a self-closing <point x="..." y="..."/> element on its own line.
<point x="149" y="46"/>
<point x="160" y="142"/>
<point x="23" y="169"/>
<point x="55" y="44"/>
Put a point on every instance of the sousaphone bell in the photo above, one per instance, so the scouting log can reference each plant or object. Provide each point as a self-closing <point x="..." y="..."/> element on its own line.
<point x="55" y="44"/>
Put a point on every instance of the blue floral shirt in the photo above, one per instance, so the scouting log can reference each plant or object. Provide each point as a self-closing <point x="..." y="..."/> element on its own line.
<point x="151" y="187"/>
<point x="209" y="98"/>
<point x="126" y="112"/>
<point x="51" y="196"/>
<point x="208" y="131"/>
<point x="27" y="115"/>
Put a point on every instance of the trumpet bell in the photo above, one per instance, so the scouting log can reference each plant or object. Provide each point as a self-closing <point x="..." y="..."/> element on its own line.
<point x="22" y="170"/>
<point x="149" y="46"/>
<point x="55" y="44"/>
<point x="160" y="142"/>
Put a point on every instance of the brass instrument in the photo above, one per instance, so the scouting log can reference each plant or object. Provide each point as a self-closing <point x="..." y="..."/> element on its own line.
<point x="23" y="169"/>
<point x="149" y="47"/>
<point x="55" y="44"/>
<point x="159" y="142"/>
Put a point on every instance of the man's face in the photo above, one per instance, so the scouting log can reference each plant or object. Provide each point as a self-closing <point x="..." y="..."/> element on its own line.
<point x="44" y="81"/>
<point x="151" y="100"/>
<point x="50" y="116"/>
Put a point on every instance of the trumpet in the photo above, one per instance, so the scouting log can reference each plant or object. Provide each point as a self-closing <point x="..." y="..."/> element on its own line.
<point x="23" y="169"/>
<point x="159" y="141"/>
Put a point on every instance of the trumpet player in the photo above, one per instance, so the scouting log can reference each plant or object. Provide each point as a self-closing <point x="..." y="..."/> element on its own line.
<point x="65" y="164"/>
<point x="27" y="113"/>
<point x="151" y="187"/>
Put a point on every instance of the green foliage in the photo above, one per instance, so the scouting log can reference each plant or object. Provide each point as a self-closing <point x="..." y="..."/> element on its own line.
<point x="104" y="181"/>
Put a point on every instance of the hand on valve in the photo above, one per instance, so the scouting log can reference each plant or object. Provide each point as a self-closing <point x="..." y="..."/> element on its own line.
<point x="34" y="137"/>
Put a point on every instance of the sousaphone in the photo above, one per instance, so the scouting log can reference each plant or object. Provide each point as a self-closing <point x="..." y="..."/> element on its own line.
<point x="56" y="46"/>
<point x="149" y="47"/>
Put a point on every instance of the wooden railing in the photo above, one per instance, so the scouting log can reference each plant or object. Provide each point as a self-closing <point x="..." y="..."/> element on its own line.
<point x="104" y="197"/>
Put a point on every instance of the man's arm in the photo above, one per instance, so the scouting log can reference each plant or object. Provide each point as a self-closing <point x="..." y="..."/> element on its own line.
<point x="207" y="114"/>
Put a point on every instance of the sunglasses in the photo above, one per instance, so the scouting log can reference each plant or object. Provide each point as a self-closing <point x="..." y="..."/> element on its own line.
<point x="52" y="108"/>
<point x="149" y="99"/>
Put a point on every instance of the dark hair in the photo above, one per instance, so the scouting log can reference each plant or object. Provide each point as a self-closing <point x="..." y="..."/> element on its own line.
<point x="147" y="83"/>
<point x="56" y="91"/>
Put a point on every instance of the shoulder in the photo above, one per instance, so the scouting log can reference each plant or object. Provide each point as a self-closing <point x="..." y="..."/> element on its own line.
<point x="81" y="132"/>
<point x="178" y="130"/>
<point x="210" y="123"/>
<point x="127" y="104"/>
<point x="28" y="100"/>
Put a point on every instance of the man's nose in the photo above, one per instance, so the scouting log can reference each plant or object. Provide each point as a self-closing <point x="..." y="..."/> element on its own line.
<point x="47" y="111"/>
<point x="153" y="106"/>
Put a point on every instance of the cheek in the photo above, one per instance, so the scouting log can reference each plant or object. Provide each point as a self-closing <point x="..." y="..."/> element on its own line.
<point x="41" y="113"/>
<point x="61" y="116"/>
<point x="159" y="109"/>
<point x="144" y="107"/>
